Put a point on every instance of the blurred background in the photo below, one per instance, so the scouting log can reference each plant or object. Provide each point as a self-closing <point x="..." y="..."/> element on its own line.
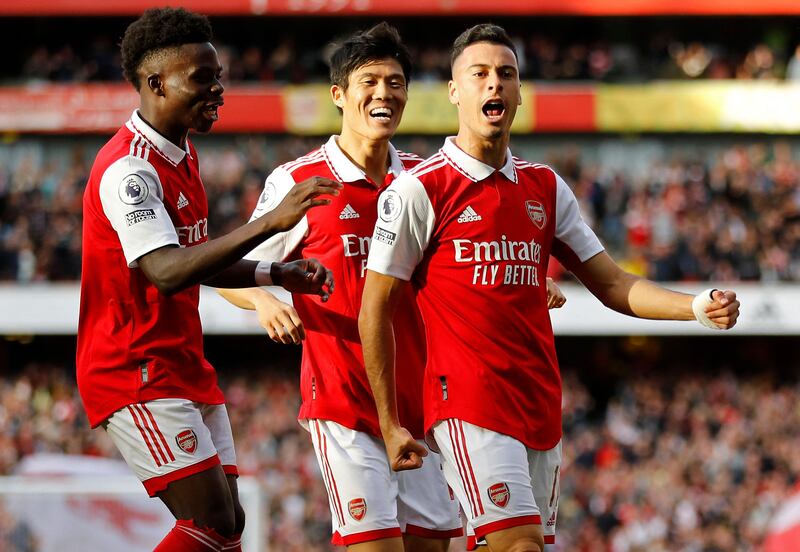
<point x="675" y="123"/>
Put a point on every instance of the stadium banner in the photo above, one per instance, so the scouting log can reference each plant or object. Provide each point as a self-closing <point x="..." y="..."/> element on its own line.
<point x="700" y="106"/>
<point x="102" y="108"/>
<point x="767" y="309"/>
<point x="659" y="107"/>
<point x="408" y="7"/>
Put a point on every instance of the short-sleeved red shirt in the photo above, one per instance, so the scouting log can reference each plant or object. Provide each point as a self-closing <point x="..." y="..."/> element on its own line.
<point x="333" y="381"/>
<point x="475" y="243"/>
<point x="135" y="344"/>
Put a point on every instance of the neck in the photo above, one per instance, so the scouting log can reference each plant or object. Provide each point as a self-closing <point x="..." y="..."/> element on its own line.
<point x="491" y="151"/>
<point x="371" y="156"/>
<point x="174" y="133"/>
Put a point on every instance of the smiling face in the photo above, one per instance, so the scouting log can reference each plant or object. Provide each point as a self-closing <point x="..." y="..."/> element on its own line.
<point x="191" y="92"/>
<point x="486" y="89"/>
<point x="373" y="103"/>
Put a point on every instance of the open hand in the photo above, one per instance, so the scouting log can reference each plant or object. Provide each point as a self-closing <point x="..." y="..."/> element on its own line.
<point x="281" y="320"/>
<point x="302" y="197"/>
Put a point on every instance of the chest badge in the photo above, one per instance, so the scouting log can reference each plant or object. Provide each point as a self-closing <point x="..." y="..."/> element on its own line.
<point x="535" y="210"/>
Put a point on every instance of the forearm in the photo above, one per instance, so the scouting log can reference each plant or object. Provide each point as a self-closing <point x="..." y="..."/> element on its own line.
<point x="632" y="295"/>
<point x="244" y="298"/>
<point x="173" y="269"/>
<point x="377" y="340"/>
<point x="649" y="300"/>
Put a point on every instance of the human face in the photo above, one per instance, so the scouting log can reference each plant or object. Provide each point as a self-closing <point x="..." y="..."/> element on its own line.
<point x="373" y="103"/>
<point x="486" y="89"/>
<point x="192" y="91"/>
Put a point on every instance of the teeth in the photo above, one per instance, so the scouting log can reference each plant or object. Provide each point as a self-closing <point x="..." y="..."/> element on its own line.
<point x="381" y="112"/>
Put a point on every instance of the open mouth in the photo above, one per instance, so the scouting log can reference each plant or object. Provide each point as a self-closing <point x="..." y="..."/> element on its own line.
<point x="211" y="110"/>
<point x="383" y="114"/>
<point x="493" y="109"/>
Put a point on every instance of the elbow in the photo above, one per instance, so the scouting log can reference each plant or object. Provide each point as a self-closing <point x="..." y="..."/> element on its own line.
<point x="167" y="289"/>
<point x="168" y="285"/>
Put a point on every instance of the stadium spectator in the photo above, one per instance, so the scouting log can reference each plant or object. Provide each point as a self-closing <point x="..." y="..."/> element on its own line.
<point x="703" y="459"/>
<point x="735" y="213"/>
<point x="544" y="55"/>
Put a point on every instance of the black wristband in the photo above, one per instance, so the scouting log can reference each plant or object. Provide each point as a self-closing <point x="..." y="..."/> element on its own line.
<point x="276" y="274"/>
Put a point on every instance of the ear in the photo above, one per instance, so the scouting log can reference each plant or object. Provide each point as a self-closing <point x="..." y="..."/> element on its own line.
<point x="337" y="95"/>
<point x="155" y="84"/>
<point x="452" y="92"/>
<point x="520" y="94"/>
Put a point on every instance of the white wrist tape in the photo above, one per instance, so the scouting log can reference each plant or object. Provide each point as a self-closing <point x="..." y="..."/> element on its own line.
<point x="699" y="304"/>
<point x="262" y="275"/>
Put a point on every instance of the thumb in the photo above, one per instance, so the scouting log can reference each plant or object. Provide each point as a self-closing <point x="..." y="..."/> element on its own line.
<point x="719" y="296"/>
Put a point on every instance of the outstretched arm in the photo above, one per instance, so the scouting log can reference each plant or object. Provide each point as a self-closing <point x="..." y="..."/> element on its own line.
<point x="379" y="300"/>
<point x="635" y="296"/>
<point x="172" y="269"/>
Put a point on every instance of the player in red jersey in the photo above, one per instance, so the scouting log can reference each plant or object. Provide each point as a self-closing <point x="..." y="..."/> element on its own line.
<point x="140" y="365"/>
<point x="373" y="509"/>
<point x="472" y="229"/>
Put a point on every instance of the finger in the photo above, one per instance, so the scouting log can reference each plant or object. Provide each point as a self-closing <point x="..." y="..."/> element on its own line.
<point x="281" y="334"/>
<point x="329" y="283"/>
<point x="722" y="311"/>
<point x="272" y="335"/>
<point x="290" y="330"/>
<point x="315" y="203"/>
<point x="298" y="324"/>
<point x="723" y="297"/>
<point x="320" y="273"/>
<point x="413" y="462"/>
<point x="323" y="189"/>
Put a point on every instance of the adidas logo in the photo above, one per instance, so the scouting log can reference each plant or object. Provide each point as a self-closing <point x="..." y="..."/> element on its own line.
<point x="182" y="201"/>
<point x="348" y="213"/>
<point x="469" y="215"/>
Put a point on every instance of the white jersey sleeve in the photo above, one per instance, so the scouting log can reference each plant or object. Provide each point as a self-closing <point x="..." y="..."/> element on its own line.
<point x="279" y="246"/>
<point x="403" y="229"/>
<point x="132" y="200"/>
<point x="571" y="229"/>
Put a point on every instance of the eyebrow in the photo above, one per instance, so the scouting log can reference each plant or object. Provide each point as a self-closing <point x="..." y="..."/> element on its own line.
<point x="377" y="76"/>
<point x="484" y="65"/>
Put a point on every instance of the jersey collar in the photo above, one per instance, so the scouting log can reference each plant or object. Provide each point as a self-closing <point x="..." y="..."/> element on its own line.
<point x="472" y="168"/>
<point x="164" y="147"/>
<point x="345" y="170"/>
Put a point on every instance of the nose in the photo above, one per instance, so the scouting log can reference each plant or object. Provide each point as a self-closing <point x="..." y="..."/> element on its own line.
<point x="382" y="90"/>
<point x="494" y="81"/>
<point x="217" y="87"/>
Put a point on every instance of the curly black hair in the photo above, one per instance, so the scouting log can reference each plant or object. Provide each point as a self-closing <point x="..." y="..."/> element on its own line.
<point x="157" y="29"/>
<point x="380" y="42"/>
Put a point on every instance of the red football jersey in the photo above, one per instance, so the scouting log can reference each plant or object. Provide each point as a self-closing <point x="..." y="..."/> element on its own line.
<point x="333" y="381"/>
<point x="475" y="242"/>
<point x="135" y="344"/>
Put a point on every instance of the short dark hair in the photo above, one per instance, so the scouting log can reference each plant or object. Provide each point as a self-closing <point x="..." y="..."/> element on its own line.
<point x="158" y="29"/>
<point x="484" y="32"/>
<point x="380" y="42"/>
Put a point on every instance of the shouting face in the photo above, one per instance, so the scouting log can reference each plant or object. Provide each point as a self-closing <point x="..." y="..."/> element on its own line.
<point x="486" y="89"/>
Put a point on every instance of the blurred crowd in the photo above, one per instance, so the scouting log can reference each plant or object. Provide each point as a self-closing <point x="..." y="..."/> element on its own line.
<point x="732" y="215"/>
<point x="541" y="59"/>
<point x="301" y="55"/>
<point x="675" y="461"/>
